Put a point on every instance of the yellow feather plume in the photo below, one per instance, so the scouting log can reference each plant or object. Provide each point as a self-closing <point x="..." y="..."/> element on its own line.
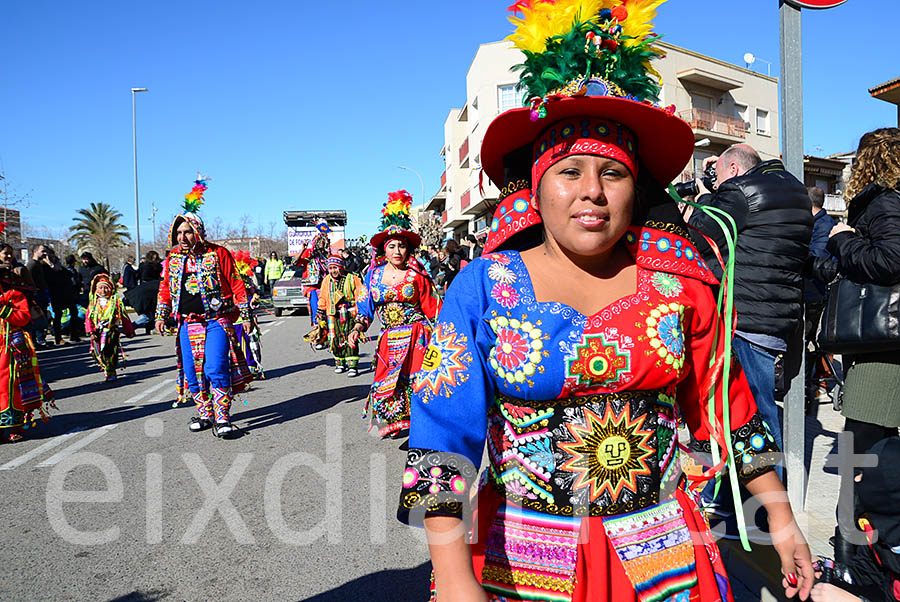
<point x="639" y="23"/>
<point x="548" y="18"/>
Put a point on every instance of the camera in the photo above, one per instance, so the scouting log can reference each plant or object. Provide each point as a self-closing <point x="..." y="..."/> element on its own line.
<point x="686" y="189"/>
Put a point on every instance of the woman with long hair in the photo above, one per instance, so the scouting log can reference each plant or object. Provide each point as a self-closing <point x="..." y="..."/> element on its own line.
<point x="573" y="348"/>
<point x="867" y="249"/>
<point x="401" y="294"/>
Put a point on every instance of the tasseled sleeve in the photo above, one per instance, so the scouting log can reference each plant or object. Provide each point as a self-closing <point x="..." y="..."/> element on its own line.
<point x="452" y="394"/>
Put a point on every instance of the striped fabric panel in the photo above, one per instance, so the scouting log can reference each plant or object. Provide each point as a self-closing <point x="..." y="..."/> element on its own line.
<point x="655" y="548"/>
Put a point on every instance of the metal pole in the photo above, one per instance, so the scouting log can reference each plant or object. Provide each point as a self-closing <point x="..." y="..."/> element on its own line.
<point x="792" y="153"/>
<point x="421" y="182"/>
<point x="137" y="223"/>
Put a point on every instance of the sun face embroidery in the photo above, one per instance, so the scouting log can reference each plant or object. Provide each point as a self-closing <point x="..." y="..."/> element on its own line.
<point x="608" y="453"/>
<point x="444" y="365"/>
<point x="665" y="333"/>
<point x="598" y="362"/>
<point x="518" y="350"/>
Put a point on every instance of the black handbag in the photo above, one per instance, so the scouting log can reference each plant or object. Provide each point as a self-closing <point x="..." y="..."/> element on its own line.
<point x="860" y="318"/>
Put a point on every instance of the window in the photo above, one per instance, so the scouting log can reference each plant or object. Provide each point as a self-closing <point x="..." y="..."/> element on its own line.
<point x="743" y="113"/>
<point x="508" y="98"/>
<point x="762" y="122"/>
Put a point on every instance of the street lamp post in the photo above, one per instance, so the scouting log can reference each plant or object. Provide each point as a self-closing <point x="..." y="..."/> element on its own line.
<point x="420" y="180"/>
<point x="137" y="222"/>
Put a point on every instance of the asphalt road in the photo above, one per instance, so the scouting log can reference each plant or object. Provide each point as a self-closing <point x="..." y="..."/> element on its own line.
<point x="114" y="499"/>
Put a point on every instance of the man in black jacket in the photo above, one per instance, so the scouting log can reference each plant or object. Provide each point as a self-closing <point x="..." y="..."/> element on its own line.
<point x="771" y="211"/>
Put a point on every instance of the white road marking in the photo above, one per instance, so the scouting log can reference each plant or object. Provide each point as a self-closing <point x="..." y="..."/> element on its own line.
<point x="37" y="451"/>
<point x="83" y="442"/>
<point x="154" y="388"/>
<point x="267" y="330"/>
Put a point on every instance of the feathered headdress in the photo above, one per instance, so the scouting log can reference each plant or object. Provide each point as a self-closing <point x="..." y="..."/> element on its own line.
<point x="396" y="210"/>
<point x="244" y="263"/>
<point x="194" y="198"/>
<point x="567" y="42"/>
<point x="396" y="220"/>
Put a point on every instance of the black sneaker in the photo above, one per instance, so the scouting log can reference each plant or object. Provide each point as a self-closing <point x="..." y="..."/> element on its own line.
<point x="199" y="424"/>
<point x="225" y="430"/>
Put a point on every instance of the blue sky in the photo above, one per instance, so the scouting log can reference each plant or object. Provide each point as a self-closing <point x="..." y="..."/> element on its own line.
<point x="290" y="104"/>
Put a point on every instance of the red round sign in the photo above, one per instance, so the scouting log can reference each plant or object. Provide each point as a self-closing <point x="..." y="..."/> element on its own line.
<point x="816" y="3"/>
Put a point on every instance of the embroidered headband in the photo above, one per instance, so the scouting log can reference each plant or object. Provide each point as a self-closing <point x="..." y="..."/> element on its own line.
<point x="583" y="136"/>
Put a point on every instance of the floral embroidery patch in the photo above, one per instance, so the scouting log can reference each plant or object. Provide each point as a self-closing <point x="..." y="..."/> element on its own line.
<point x="668" y="285"/>
<point x="665" y="333"/>
<point x="609" y="452"/>
<point x="518" y="349"/>
<point x="445" y="363"/>
<point x="500" y="273"/>
<point x="505" y="295"/>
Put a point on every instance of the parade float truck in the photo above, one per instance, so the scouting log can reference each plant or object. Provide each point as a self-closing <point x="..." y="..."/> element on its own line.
<point x="288" y="292"/>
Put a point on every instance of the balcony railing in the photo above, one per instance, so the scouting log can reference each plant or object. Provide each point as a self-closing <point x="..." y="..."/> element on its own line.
<point x="465" y="200"/>
<point x="464" y="150"/>
<point x="710" y="121"/>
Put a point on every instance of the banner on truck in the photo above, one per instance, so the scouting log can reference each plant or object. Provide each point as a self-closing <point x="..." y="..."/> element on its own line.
<point x="298" y="236"/>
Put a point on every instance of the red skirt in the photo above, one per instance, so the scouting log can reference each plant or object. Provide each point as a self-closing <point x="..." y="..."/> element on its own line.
<point x="522" y="555"/>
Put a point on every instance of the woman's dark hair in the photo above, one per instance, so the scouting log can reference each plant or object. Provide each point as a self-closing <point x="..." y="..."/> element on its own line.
<point x="273" y="254"/>
<point x="151" y="256"/>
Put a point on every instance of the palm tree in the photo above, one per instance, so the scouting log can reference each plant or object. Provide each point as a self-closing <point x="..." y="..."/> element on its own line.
<point x="98" y="230"/>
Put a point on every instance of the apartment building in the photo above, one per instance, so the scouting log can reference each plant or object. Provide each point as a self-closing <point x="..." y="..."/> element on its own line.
<point x="724" y="103"/>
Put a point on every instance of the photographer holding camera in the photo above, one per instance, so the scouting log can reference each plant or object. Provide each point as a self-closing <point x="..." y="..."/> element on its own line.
<point x="771" y="210"/>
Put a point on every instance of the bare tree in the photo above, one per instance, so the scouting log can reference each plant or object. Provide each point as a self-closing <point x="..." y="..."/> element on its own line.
<point x="430" y="228"/>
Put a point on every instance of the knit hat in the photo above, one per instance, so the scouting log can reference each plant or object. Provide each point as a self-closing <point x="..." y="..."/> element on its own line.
<point x="192" y="202"/>
<point x="335" y="260"/>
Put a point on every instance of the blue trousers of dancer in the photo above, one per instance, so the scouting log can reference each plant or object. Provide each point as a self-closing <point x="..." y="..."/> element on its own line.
<point x="217" y="360"/>
<point x="313" y="305"/>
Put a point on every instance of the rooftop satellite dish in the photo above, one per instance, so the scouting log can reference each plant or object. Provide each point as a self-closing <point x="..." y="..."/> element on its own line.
<point x="749" y="58"/>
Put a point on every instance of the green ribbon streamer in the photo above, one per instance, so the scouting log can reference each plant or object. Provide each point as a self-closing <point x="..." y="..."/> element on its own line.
<point x="724" y="304"/>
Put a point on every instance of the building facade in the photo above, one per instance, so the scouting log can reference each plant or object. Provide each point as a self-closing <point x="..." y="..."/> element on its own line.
<point x="724" y="103"/>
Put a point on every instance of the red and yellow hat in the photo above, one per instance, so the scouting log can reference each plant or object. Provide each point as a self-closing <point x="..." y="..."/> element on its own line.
<point x="589" y="89"/>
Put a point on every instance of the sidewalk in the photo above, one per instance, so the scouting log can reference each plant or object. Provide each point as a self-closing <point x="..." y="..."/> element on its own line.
<point x="756" y="575"/>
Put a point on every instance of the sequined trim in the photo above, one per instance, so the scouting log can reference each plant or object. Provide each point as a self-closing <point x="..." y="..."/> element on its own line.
<point x="435" y="483"/>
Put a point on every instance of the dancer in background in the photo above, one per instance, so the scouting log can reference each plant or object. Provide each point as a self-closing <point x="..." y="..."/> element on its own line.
<point x="312" y="260"/>
<point x="338" y="299"/>
<point x="202" y="290"/>
<point x="26" y="393"/>
<point x="400" y="292"/>
<point x="106" y="316"/>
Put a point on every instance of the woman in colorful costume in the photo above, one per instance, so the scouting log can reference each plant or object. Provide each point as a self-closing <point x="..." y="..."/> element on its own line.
<point x="339" y="296"/>
<point x="574" y="347"/>
<point x="401" y="293"/>
<point x="105" y="316"/>
<point x="204" y="294"/>
<point x="25" y="392"/>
